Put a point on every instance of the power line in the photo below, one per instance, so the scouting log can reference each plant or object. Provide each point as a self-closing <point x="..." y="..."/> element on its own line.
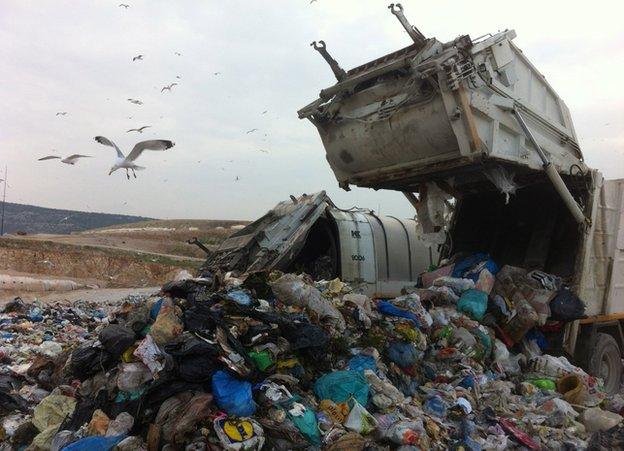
<point x="3" y="201"/>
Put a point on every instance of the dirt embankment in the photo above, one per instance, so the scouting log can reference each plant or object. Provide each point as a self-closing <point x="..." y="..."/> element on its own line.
<point x="89" y="265"/>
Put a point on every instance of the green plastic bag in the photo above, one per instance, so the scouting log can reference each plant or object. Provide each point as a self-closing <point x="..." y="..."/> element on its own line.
<point x="339" y="386"/>
<point x="262" y="359"/>
<point x="304" y="418"/>
<point x="473" y="303"/>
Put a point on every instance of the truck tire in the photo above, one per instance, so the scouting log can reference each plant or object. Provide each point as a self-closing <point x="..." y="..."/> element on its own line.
<point x="605" y="362"/>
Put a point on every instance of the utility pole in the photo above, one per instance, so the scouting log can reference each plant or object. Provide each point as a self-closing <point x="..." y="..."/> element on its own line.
<point x="3" y="202"/>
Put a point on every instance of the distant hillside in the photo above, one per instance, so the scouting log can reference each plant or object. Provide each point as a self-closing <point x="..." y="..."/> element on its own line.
<point x="32" y="219"/>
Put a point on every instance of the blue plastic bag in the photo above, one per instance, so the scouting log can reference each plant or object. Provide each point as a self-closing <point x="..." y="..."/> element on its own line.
<point x="156" y="308"/>
<point x="241" y="297"/>
<point x="95" y="443"/>
<point x="389" y="309"/>
<point x="339" y="386"/>
<point x="36" y="315"/>
<point x="362" y="362"/>
<point x="471" y="267"/>
<point x="232" y="395"/>
<point x="473" y="303"/>
<point x="467" y="382"/>
<point x="435" y="406"/>
<point x="403" y="354"/>
<point x="538" y="337"/>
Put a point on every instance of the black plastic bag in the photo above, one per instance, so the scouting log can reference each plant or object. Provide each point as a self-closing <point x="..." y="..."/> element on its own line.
<point x="196" y="360"/>
<point x="84" y="411"/>
<point x="200" y="318"/>
<point x="304" y="335"/>
<point x="566" y="306"/>
<point x="116" y="339"/>
<point x="188" y="289"/>
<point x="87" y="360"/>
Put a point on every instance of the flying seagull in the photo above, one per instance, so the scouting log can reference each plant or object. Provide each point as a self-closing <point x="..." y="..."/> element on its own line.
<point x="138" y="57"/>
<point x="217" y="73"/>
<point x="251" y="131"/>
<point x="264" y="151"/>
<point x="140" y="129"/>
<point x="178" y="77"/>
<point x="168" y="88"/>
<point x="124" y="5"/>
<point x="178" y="54"/>
<point x="128" y="162"/>
<point x="61" y="113"/>
<point x="69" y="160"/>
<point x="135" y="101"/>
<point x="264" y="112"/>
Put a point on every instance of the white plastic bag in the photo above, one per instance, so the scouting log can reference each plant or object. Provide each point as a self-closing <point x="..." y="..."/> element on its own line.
<point x="596" y="419"/>
<point x="292" y="290"/>
<point x="360" y="420"/>
<point x="502" y="180"/>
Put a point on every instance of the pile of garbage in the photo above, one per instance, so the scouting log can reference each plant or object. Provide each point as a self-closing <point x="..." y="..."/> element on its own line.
<point x="278" y="361"/>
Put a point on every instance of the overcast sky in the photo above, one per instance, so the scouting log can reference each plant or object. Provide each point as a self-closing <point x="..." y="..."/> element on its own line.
<point x="76" y="56"/>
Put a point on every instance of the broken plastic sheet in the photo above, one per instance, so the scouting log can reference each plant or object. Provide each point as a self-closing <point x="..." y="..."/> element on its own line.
<point x="432" y="214"/>
<point x="503" y="180"/>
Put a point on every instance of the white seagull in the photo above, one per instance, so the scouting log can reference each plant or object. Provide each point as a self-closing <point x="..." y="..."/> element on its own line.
<point x="69" y="160"/>
<point x="138" y="57"/>
<point x="140" y="129"/>
<point x="135" y="101"/>
<point x="168" y="88"/>
<point x="128" y="162"/>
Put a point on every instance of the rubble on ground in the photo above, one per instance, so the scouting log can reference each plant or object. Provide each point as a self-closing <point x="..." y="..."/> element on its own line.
<point x="278" y="361"/>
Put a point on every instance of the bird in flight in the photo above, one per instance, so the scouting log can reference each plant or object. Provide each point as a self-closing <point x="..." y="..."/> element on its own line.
<point x="140" y="129"/>
<point x="264" y="151"/>
<point x="61" y="113"/>
<point x="237" y="178"/>
<point x="138" y="57"/>
<point x="312" y="1"/>
<point x="217" y="73"/>
<point x="68" y="160"/>
<point x="124" y="5"/>
<point x="178" y="77"/>
<point x="127" y="162"/>
<point x="168" y="88"/>
<point x="135" y="101"/>
<point x="178" y="54"/>
<point x="264" y="112"/>
<point x="251" y="131"/>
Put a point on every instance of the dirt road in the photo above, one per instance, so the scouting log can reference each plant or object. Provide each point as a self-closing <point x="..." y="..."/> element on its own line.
<point x="97" y="295"/>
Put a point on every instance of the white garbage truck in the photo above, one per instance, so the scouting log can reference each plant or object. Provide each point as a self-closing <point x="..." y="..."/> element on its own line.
<point x="470" y="127"/>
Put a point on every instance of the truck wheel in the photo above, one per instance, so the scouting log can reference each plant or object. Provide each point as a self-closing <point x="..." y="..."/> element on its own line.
<point x="605" y="362"/>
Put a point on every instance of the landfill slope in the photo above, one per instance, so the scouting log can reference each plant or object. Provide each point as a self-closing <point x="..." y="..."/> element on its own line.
<point x="156" y="237"/>
<point x="89" y="265"/>
<point x="279" y="361"/>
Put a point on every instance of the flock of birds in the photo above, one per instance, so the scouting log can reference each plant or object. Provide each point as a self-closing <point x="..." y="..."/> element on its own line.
<point x="128" y="162"/>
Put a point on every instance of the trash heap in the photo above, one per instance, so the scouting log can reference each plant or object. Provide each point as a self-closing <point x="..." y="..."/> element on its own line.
<point x="277" y="361"/>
